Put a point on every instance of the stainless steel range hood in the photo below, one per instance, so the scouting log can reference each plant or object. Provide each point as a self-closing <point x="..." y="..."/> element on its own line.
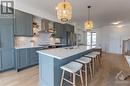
<point x="46" y="26"/>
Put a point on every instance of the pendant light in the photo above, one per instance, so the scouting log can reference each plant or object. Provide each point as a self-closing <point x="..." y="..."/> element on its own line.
<point x="64" y="11"/>
<point x="89" y="24"/>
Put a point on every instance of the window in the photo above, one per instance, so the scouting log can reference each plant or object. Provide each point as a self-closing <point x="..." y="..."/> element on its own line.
<point x="7" y="7"/>
<point x="91" y="38"/>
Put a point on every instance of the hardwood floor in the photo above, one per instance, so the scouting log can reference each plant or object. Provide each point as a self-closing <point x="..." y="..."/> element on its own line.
<point x="27" y="77"/>
<point x="104" y="76"/>
<point x="112" y="64"/>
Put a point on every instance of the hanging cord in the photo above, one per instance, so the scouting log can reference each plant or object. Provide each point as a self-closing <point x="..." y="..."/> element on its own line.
<point x="89" y="7"/>
<point x="64" y="5"/>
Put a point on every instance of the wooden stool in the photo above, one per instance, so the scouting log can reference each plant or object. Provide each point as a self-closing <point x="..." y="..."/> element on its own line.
<point x="98" y="56"/>
<point x="72" y="68"/>
<point x="93" y="57"/>
<point x="86" y="61"/>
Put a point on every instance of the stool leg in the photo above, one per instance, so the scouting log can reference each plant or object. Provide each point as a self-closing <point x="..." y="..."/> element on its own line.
<point x="62" y="78"/>
<point x="86" y="75"/>
<point x="99" y="60"/>
<point x="96" y="59"/>
<point x="71" y="76"/>
<point x="74" y="79"/>
<point x="93" y="65"/>
<point x="91" y="72"/>
<point x="81" y="76"/>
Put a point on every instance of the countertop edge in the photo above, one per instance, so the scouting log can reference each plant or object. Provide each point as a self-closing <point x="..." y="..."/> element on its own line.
<point x="28" y="47"/>
<point x="50" y="55"/>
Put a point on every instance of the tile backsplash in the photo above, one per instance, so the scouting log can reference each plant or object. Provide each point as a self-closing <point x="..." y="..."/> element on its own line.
<point x="25" y="41"/>
<point x="42" y="39"/>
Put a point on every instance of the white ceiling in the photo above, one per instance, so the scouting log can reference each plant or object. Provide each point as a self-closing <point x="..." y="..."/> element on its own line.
<point x="103" y="11"/>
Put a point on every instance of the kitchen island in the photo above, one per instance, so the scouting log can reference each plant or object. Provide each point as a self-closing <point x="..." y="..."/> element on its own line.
<point x="51" y="60"/>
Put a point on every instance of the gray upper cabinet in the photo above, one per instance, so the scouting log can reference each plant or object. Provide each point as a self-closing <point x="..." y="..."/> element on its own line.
<point x="68" y="28"/>
<point x="59" y="30"/>
<point x="23" y="24"/>
<point x="6" y="44"/>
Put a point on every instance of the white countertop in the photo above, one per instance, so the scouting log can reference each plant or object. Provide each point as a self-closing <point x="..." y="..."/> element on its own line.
<point x="128" y="59"/>
<point x="22" y="47"/>
<point x="62" y="53"/>
<point x="36" y="46"/>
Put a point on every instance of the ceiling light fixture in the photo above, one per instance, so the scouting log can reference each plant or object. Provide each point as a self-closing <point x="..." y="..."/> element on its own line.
<point x="120" y="26"/>
<point x="89" y="23"/>
<point x="116" y="23"/>
<point x="64" y="11"/>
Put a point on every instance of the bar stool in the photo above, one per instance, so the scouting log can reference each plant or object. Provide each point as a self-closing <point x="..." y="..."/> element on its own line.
<point x="72" y="68"/>
<point x="86" y="61"/>
<point x="98" y="56"/>
<point x="93" y="57"/>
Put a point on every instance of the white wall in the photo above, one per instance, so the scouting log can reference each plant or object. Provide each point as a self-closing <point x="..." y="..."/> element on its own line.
<point x="110" y="38"/>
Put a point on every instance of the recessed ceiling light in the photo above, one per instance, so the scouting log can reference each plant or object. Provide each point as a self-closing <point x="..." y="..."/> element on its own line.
<point x="120" y="26"/>
<point x="116" y="23"/>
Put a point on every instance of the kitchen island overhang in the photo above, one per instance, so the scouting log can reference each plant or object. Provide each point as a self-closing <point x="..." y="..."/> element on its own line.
<point x="51" y="60"/>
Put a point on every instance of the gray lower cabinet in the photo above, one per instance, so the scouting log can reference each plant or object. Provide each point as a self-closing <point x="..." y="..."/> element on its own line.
<point x="26" y="57"/>
<point x="0" y="60"/>
<point x="32" y="55"/>
<point x="21" y="58"/>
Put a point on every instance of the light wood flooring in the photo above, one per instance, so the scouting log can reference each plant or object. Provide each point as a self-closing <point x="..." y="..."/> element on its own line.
<point x="104" y="76"/>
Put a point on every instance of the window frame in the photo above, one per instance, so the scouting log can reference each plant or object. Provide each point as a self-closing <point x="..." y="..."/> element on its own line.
<point x="91" y="38"/>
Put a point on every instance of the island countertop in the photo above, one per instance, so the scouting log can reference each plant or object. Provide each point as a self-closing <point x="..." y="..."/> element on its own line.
<point x="62" y="53"/>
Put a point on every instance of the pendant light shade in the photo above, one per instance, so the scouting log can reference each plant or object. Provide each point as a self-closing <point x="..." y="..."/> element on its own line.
<point x="89" y="23"/>
<point x="64" y="11"/>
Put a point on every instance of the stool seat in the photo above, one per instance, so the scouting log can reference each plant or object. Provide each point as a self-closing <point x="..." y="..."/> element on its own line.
<point x="92" y="55"/>
<point x="95" y="52"/>
<point x="72" y="67"/>
<point x="84" y="60"/>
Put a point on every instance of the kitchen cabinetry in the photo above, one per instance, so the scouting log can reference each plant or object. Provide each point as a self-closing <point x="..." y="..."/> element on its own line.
<point x="59" y="30"/>
<point x="68" y="28"/>
<point x="26" y="57"/>
<point x="32" y="56"/>
<point x="22" y="60"/>
<point x="0" y="60"/>
<point x="6" y="44"/>
<point x="23" y="24"/>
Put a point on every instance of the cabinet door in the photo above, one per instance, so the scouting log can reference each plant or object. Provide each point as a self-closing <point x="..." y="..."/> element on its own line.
<point x="0" y="61"/>
<point x="23" y="24"/>
<point x="68" y="28"/>
<point x="32" y="56"/>
<point x="22" y="59"/>
<point x="62" y="31"/>
<point x="6" y="44"/>
<point x="58" y="29"/>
